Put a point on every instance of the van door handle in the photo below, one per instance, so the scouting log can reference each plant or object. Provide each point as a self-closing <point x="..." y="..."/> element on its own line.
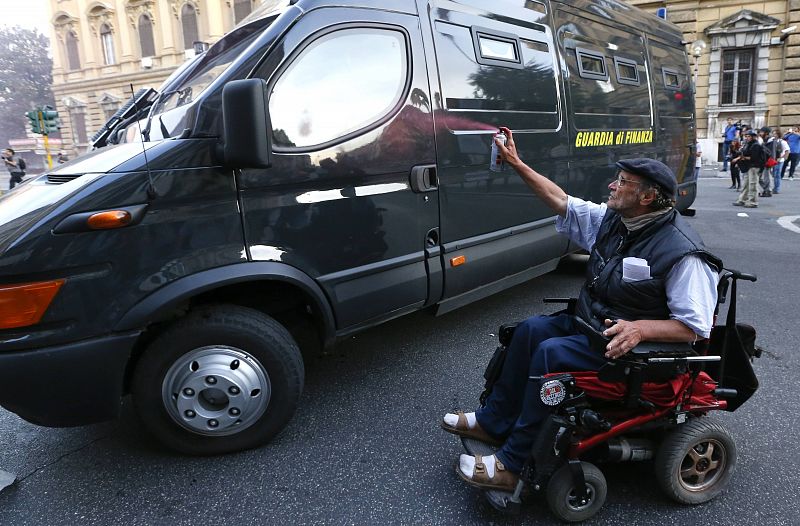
<point x="423" y="178"/>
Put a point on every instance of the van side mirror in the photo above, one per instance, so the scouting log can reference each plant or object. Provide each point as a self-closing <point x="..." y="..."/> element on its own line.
<point x="246" y="124"/>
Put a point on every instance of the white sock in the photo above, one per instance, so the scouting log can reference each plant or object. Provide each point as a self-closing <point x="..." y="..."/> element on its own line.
<point x="451" y="420"/>
<point x="466" y="464"/>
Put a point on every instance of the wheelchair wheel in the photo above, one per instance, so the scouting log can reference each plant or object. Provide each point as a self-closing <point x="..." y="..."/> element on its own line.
<point x="695" y="462"/>
<point x="561" y="493"/>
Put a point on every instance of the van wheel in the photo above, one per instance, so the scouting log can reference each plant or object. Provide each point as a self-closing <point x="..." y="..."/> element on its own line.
<point x="562" y="499"/>
<point x="695" y="461"/>
<point x="224" y="378"/>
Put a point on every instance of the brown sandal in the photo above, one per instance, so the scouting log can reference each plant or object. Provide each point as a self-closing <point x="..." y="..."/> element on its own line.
<point x="462" y="429"/>
<point x="503" y="479"/>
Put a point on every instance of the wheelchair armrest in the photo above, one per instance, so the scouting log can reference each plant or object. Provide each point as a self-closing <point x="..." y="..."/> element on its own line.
<point x="658" y="349"/>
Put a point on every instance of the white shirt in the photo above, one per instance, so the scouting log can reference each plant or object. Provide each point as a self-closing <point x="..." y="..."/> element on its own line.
<point x="785" y="147"/>
<point x="691" y="285"/>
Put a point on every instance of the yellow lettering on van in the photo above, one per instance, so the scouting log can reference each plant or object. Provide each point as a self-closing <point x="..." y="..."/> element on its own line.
<point x="578" y="140"/>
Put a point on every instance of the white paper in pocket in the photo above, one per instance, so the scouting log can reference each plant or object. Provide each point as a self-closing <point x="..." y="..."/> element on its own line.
<point x="635" y="269"/>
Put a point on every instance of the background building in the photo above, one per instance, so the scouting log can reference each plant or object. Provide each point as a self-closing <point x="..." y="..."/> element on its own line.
<point x="750" y="67"/>
<point x="101" y="47"/>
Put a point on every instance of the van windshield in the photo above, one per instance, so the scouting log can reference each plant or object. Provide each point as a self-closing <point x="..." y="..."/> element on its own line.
<point x="216" y="60"/>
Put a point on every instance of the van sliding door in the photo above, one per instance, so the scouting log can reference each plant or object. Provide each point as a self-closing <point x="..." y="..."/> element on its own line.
<point x="495" y="65"/>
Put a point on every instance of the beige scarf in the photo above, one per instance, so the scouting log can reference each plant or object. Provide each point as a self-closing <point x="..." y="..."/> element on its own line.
<point x="637" y="223"/>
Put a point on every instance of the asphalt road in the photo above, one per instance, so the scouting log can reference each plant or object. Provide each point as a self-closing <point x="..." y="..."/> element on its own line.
<point x="365" y="447"/>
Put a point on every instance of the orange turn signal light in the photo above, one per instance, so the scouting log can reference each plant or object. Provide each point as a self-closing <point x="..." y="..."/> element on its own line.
<point x="458" y="260"/>
<point x="109" y="219"/>
<point x="23" y="305"/>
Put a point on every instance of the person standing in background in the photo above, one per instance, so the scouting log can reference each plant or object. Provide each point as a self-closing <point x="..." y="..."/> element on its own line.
<point x="730" y="134"/>
<point x="751" y="161"/>
<point x="793" y="139"/>
<point x="736" y="181"/>
<point x="11" y="161"/>
<point x="781" y="152"/>
<point x="765" y="175"/>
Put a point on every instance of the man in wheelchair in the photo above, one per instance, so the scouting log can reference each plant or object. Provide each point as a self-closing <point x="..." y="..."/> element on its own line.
<point x="650" y="279"/>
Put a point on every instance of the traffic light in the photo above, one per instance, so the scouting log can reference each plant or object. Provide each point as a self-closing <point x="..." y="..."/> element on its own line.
<point x="33" y="116"/>
<point x="49" y="120"/>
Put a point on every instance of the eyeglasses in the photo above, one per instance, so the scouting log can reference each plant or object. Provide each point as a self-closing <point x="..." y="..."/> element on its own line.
<point x="622" y="182"/>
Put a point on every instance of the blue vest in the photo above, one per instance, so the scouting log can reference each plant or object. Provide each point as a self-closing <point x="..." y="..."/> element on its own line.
<point x="662" y="243"/>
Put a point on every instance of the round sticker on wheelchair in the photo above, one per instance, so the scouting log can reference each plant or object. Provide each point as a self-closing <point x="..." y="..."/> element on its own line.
<point x="552" y="392"/>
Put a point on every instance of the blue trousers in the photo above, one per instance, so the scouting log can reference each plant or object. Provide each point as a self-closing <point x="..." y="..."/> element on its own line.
<point x="541" y="344"/>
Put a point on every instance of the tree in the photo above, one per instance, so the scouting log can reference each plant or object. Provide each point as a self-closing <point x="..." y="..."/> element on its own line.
<point x="26" y="78"/>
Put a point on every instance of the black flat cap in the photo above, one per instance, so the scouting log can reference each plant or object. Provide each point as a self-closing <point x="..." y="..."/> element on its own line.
<point x="750" y="132"/>
<point x="652" y="170"/>
<point x="766" y="129"/>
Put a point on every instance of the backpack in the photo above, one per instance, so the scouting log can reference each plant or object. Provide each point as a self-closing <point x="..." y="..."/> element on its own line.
<point x="21" y="164"/>
<point x="767" y="160"/>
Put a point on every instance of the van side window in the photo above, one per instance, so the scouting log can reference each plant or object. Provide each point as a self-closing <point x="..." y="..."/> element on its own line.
<point x="339" y="84"/>
<point x="627" y="71"/>
<point x="496" y="50"/>
<point x="671" y="79"/>
<point x="591" y="64"/>
<point x="483" y="81"/>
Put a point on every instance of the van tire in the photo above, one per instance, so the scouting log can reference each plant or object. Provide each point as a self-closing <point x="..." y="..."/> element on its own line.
<point x="217" y="365"/>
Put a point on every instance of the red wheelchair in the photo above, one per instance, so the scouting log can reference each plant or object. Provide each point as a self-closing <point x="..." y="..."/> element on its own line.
<point x="651" y="404"/>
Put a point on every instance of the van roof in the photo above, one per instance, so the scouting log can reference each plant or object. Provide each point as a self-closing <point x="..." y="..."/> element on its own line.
<point x="613" y="10"/>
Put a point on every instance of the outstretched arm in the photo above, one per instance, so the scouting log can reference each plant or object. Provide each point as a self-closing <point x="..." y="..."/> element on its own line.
<point x="548" y="191"/>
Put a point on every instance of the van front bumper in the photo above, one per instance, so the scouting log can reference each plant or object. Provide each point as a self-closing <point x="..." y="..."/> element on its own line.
<point x="67" y="385"/>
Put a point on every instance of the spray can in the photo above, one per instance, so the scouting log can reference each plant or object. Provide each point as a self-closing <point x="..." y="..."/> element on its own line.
<point x="496" y="163"/>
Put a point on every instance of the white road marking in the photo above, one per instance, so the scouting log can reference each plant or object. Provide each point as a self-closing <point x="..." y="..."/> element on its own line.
<point x="742" y="214"/>
<point x="787" y="222"/>
<point x="6" y="479"/>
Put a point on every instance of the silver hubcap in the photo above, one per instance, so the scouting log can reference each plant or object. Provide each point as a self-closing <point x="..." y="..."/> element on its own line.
<point x="216" y="390"/>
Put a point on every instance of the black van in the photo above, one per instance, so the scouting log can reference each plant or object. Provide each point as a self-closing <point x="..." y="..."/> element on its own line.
<point x="321" y="169"/>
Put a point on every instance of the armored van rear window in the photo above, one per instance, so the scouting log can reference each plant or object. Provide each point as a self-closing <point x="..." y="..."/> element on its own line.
<point x="339" y="84"/>
<point x="671" y="79"/>
<point x="627" y="71"/>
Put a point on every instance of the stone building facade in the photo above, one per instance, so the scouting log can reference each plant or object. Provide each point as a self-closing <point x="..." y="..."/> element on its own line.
<point x="750" y="68"/>
<point x="102" y="47"/>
